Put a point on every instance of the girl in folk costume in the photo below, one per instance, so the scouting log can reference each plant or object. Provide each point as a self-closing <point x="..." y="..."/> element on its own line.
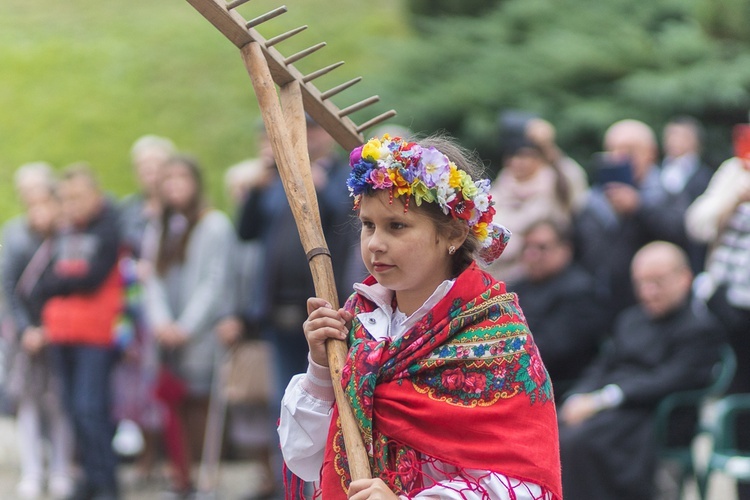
<point x="443" y="375"/>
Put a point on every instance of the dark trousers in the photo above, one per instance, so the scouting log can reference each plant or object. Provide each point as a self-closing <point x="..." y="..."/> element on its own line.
<point x="85" y="372"/>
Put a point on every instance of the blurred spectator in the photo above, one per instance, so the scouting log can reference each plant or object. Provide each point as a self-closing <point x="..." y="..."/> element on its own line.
<point x="286" y="281"/>
<point x="85" y="299"/>
<point x="135" y="375"/>
<point x="683" y="178"/>
<point x="558" y="298"/>
<point x="611" y="227"/>
<point x="525" y="191"/>
<point x="572" y="184"/>
<point x="35" y="391"/>
<point x="148" y="155"/>
<point x="29" y="177"/>
<point x="250" y="423"/>
<point x="659" y="346"/>
<point x="183" y="300"/>
<point x="721" y="218"/>
<point x="245" y="176"/>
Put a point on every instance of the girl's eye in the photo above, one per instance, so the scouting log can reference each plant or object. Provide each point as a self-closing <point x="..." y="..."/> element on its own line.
<point x="397" y="225"/>
<point x="367" y="224"/>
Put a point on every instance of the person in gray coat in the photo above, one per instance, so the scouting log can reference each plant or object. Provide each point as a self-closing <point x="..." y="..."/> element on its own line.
<point x="183" y="298"/>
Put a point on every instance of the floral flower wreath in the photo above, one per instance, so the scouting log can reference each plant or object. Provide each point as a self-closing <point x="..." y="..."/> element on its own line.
<point x="427" y="175"/>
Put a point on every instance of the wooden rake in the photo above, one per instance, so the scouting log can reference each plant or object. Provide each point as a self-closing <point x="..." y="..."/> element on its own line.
<point x="284" y="118"/>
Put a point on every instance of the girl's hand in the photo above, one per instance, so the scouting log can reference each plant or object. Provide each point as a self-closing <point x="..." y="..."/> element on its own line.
<point x="370" y="489"/>
<point x="323" y="323"/>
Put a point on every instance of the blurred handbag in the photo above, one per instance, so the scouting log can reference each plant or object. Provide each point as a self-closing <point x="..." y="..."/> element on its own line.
<point x="247" y="373"/>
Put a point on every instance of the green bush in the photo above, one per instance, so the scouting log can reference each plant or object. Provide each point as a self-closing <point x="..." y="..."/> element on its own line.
<point x="81" y="80"/>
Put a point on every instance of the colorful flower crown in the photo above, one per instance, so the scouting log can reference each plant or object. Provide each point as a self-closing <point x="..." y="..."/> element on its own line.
<point x="427" y="175"/>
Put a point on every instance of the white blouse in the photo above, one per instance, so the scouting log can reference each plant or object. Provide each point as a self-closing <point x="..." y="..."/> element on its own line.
<point x="308" y="403"/>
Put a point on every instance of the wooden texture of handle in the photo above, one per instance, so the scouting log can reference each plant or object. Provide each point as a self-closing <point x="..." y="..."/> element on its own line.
<point x="325" y="113"/>
<point x="286" y="128"/>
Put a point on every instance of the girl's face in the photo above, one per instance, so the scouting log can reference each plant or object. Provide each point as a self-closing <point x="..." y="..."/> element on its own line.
<point x="178" y="186"/>
<point x="403" y="251"/>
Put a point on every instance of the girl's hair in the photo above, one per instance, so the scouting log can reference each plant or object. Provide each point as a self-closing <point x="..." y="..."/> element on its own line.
<point x="174" y="239"/>
<point x="469" y="162"/>
<point x="445" y="224"/>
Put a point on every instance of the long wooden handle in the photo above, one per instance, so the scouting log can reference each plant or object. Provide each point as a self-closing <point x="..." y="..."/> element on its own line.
<point x="241" y="32"/>
<point x="286" y="128"/>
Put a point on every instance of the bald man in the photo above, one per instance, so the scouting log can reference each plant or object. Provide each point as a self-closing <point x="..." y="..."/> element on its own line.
<point x="659" y="346"/>
<point x="620" y="217"/>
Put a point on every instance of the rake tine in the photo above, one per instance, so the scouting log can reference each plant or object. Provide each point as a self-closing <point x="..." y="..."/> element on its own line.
<point x="265" y="17"/>
<point x="304" y="53"/>
<point x="360" y="105"/>
<point x="376" y="120"/>
<point x="335" y="90"/>
<point x="280" y="38"/>
<point x="235" y="3"/>
<point x="316" y="74"/>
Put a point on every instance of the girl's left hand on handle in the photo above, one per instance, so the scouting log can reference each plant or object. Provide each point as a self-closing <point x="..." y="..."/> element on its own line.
<point x="324" y="322"/>
<point x="370" y="489"/>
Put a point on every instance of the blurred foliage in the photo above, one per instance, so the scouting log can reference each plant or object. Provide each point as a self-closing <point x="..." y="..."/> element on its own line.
<point x="82" y="79"/>
<point x="580" y="64"/>
<point x="439" y="8"/>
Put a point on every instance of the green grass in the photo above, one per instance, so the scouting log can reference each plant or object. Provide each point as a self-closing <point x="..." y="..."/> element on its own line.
<point x="81" y="80"/>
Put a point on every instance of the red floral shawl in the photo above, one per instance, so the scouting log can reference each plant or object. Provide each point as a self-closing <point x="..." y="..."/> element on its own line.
<point x="465" y="386"/>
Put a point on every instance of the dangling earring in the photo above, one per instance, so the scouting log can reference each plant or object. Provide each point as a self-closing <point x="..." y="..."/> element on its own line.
<point x="451" y="250"/>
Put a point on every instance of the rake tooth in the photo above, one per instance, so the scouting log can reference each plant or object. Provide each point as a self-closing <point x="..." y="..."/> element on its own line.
<point x="360" y="105"/>
<point x="235" y="3"/>
<point x="280" y="38"/>
<point x="376" y="120"/>
<point x="316" y="74"/>
<point x="335" y="90"/>
<point x="265" y="17"/>
<point x="304" y="53"/>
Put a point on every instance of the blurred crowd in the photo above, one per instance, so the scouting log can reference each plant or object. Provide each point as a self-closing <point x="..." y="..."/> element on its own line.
<point x="124" y="320"/>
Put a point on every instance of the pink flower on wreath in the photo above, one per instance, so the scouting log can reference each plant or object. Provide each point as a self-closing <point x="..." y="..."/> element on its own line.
<point x="380" y="178"/>
<point x="475" y="382"/>
<point x="453" y="380"/>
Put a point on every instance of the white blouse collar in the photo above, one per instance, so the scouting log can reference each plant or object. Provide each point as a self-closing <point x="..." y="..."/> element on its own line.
<point x="384" y="323"/>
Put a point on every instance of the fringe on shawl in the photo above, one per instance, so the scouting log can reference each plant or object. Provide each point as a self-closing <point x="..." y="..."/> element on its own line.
<point x="418" y="472"/>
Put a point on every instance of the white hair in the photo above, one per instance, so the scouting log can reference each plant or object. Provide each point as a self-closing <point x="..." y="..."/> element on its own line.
<point x="34" y="174"/>
<point x="147" y="142"/>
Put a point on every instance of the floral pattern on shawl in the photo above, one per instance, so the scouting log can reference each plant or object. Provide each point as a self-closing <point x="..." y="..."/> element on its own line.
<point x="475" y="355"/>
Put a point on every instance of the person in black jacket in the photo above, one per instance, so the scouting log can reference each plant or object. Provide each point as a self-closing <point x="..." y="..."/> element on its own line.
<point x="684" y="177"/>
<point x="285" y="281"/>
<point x="83" y="295"/>
<point x="659" y="346"/>
<point x="31" y="383"/>
<point x="566" y="316"/>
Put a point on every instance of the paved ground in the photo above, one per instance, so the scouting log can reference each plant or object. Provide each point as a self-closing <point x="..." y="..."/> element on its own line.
<point x="237" y="478"/>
